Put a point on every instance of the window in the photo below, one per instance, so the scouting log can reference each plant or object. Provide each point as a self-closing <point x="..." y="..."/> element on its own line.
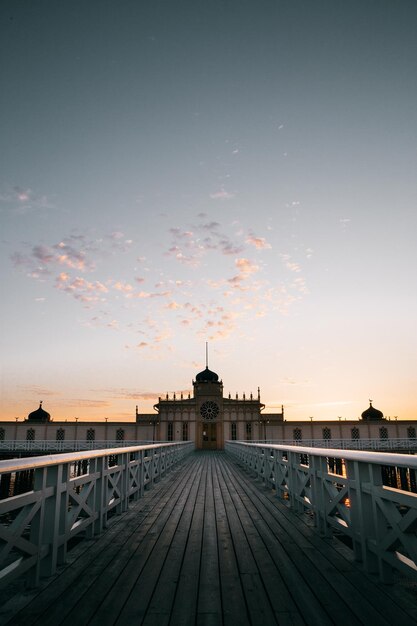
<point x="411" y="432"/>
<point x="233" y="431"/>
<point x="327" y="433"/>
<point x="2" y="433"/>
<point x="170" y="432"/>
<point x="120" y="434"/>
<point x="383" y="433"/>
<point x="60" y="434"/>
<point x="248" y="431"/>
<point x="185" y="431"/>
<point x="30" y="434"/>
<point x="354" y="433"/>
<point x="297" y="434"/>
<point x="91" y="434"/>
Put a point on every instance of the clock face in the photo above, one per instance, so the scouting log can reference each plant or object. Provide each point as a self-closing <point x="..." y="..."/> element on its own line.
<point x="209" y="410"/>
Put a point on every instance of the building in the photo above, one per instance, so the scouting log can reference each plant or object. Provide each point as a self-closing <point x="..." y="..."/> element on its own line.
<point x="209" y="419"/>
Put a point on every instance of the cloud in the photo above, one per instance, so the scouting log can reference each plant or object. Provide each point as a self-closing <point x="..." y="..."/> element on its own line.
<point x="222" y="194"/>
<point x="39" y="391"/>
<point x="259" y="242"/>
<point x="154" y="294"/>
<point x="290" y="265"/>
<point x="246" y="268"/>
<point x="81" y="289"/>
<point x="128" y="394"/>
<point x="85" y="403"/>
<point x="173" y="306"/>
<point x="124" y="287"/>
<point x="293" y="382"/>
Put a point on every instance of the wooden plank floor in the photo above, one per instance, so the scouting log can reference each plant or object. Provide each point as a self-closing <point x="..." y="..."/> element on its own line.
<point x="207" y="546"/>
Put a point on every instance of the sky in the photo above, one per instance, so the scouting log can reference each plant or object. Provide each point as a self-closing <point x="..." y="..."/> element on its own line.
<point x="241" y="173"/>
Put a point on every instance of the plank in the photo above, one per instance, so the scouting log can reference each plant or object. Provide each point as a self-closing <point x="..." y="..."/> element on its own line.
<point x="209" y="545"/>
<point x="343" y="579"/>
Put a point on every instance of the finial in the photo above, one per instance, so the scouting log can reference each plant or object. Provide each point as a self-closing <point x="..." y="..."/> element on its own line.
<point x="207" y="354"/>
<point x="370" y="402"/>
<point x="40" y="404"/>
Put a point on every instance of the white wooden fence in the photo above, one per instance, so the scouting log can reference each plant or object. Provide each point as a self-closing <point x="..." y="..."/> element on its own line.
<point x="37" y="526"/>
<point x="345" y="492"/>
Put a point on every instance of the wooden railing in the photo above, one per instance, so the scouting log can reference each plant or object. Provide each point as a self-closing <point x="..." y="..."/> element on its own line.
<point x="68" y="495"/>
<point x="349" y="493"/>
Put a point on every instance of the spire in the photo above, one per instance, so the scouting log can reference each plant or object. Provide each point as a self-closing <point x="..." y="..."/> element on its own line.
<point x="206" y="354"/>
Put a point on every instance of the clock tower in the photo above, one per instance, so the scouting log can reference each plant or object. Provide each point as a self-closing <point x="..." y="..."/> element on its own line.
<point x="208" y="394"/>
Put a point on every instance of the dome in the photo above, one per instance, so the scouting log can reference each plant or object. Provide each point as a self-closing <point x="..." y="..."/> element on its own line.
<point x="372" y="413"/>
<point x="207" y="376"/>
<point x="40" y="415"/>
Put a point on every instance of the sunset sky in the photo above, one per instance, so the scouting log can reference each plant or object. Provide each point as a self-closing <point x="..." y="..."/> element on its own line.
<point x="242" y="173"/>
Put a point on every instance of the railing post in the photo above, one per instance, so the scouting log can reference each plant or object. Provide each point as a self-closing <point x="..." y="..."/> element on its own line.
<point x="49" y="522"/>
<point x="320" y="497"/>
<point x="369" y="526"/>
<point x="98" y="499"/>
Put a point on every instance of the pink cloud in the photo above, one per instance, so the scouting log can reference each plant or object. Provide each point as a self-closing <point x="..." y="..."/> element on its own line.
<point x="222" y="194"/>
<point x="259" y="242"/>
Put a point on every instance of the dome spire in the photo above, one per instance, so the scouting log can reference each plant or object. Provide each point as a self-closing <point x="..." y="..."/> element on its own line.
<point x="372" y="413"/>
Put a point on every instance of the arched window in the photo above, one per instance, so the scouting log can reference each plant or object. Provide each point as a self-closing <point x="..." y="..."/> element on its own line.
<point x="91" y="434"/>
<point x="170" y="431"/>
<point x="354" y="433"/>
<point x="60" y="434"/>
<point x="248" y="431"/>
<point x="233" y="431"/>
<point x="383" y="433"/>
<point x="327" y="433"/>
<point x="411" y="432"/>
<point x="30" y="434"/>
<point x="120" y="434"/>
<point x="2" y="434"/>
<point x="185" y="431"/>
<point x="297" y="434"/>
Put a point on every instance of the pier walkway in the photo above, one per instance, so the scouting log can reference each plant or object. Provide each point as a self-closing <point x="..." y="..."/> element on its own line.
<point x="209" y="546"/>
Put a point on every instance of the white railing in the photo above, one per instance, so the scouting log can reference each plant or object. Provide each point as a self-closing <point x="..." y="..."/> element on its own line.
<point x="75" y="445"/>
<point x="403" y="443"/>
<point x="69" y="445"/>
<point x="72" y="494"/>
<point x="345" y="490"/>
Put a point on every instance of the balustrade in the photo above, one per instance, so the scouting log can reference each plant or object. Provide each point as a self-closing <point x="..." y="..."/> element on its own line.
<point x="70" y="495"/>
<point x="367" y="497"/>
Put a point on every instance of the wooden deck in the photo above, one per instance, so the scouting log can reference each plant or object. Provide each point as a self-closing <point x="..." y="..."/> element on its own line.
<point x="207" y="546"/>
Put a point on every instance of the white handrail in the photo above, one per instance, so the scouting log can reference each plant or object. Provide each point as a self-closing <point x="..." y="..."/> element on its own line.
<point x="69" y="494"/>
<point x="368" y="456"/>
<point x="347" y="491"/>
<point x="16" y="465"/>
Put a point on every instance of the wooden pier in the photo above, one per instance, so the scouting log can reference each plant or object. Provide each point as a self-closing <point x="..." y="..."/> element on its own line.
<point x="209" y="545"/>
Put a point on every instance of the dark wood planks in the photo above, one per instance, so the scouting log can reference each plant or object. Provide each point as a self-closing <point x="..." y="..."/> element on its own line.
<point x="207" y="546"/>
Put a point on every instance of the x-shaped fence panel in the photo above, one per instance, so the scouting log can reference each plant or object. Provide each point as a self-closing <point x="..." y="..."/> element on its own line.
<point x="347" y="492"/>
<point x="72" y="494"/>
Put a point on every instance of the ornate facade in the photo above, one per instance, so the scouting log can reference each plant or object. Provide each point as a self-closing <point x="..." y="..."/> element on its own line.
<point x="208" y="418"/>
